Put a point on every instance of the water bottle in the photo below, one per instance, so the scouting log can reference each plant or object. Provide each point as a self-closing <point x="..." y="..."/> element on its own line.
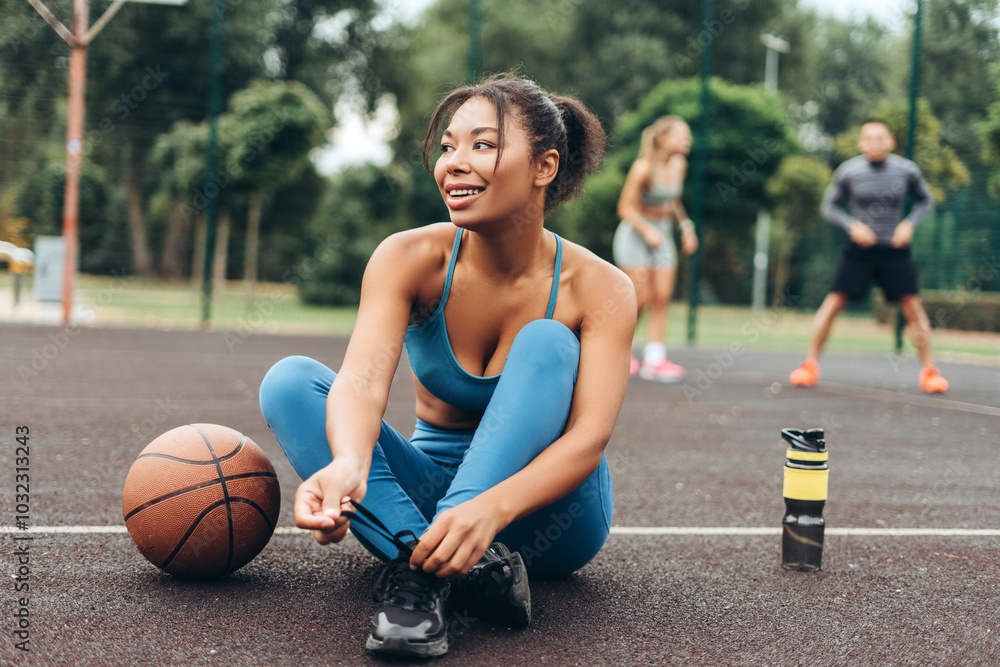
<point x="805" y="487"/>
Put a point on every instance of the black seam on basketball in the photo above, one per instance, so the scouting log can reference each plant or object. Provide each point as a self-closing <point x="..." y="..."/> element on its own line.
<point x="196" y="487"/>
<point x="157" y="455"/>
<point x="263" y="514"/>
<point x="191" y="529"/>
<point x="225" y="491"/>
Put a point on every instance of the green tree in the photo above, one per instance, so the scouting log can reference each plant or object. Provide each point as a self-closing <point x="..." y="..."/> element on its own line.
<point x="989" y="132"/>
<point x="960" y="46"/>
<point x="796" y="190"/>
<point x="840" y="71"/>
<point x="179" y="157"/>
<point x="347" y="234"/>
<point x="149" y="68"/>
<point x="749" y="139"/>
<point x="615" y="53"/>
<point x="273" y="128"/>
<point x="938" y="162"/>
<point x="101" y="247"/>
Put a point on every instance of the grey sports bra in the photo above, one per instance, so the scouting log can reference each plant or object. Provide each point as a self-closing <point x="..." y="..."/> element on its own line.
<point x="657" y="196"/>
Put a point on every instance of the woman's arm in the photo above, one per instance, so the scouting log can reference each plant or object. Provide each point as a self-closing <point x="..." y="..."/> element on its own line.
<point x="458" y="538"/>
<point x="689" y="239"/>
<point x="359" y="394"/>
<point x="629" y="209"/>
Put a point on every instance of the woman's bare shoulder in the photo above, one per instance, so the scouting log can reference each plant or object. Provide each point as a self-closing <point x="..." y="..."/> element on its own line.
<point x="420" y="247"/>
<point x="642" y="168"/>
<point x="598" y="279"/>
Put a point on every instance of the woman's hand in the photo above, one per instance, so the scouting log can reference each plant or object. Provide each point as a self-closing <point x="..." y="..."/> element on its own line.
<point x="652" y="236"/>
<point x="318" y="499"/>
<point x="457" y="539"/>
<point x="689" y="241"/>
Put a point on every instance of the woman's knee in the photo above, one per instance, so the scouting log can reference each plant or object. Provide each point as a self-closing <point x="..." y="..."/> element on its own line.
<point x="287" y="379"/>
<point x="546" y="344"/>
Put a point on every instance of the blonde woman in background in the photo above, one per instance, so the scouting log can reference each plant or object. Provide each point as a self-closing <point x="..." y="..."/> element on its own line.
<point x="643" y="247"/>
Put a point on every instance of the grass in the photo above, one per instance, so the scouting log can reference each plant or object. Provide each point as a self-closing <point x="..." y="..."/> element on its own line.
<point x="788" y="330"/>
<point x="275" y="308"/>
<point x="270" y="308"/>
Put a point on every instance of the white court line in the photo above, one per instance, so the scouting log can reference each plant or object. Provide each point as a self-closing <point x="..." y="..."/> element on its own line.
<point x="896" y="397"/>
<point x="884" y="532"/>
<point x="615" y="530"/>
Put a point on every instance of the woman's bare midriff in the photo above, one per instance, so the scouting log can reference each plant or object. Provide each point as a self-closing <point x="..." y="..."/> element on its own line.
<point x="655" y="213"/>
<point x="436" y="412"/>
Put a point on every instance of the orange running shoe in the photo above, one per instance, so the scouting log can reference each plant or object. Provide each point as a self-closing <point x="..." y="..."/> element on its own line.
<point x="806" y="374"/>
<point x="932" y="382"/>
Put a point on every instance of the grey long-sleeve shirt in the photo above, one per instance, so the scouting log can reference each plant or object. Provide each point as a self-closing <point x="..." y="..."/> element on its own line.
<point x="875" y="194"/>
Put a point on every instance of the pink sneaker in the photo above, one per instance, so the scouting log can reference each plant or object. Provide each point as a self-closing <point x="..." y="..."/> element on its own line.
<point x="664" y="371"/>
<point x="633" y="366"/>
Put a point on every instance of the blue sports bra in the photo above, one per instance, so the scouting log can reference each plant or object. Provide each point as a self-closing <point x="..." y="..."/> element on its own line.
<point x="433" y="361"/>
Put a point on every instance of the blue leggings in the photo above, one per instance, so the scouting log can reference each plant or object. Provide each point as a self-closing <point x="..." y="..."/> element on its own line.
<point x="412" y="481"/>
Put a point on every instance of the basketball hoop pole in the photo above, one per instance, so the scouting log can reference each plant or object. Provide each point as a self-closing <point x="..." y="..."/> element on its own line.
<point x="74" y="151"/>
<point x="78" y="38"/>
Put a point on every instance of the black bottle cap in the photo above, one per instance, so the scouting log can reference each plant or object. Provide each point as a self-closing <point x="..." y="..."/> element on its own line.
<point x="810" y="440"/>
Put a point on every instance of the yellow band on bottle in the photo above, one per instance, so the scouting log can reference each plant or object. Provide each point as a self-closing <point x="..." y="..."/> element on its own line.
<point x="796" y="455"/>
<point x="805" y="484"/>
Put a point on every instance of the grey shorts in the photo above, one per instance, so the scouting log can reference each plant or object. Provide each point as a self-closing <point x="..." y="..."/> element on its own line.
<point x="630" y="249"/>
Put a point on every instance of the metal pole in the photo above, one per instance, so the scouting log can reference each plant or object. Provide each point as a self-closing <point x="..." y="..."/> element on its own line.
<point x="700" y="166"/>
<point x="78" y="37"/>
<point x="212" y="160"/>
<point x="475" y="40"/>
<point x="911" y="129"/>
<point x="762" y="242"/>
<point x="771" y="69"/>
<point x="74" y="152"/>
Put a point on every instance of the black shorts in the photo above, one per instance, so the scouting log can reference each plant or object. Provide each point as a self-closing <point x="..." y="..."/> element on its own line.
<point x="891" y="268"/>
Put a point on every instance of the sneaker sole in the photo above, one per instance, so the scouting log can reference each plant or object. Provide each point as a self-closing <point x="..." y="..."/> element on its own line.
<point x="403" y="646"/>
<point x="519" y="613"/>
<point x="665" y="379"/>
<point x="799" y="382"/>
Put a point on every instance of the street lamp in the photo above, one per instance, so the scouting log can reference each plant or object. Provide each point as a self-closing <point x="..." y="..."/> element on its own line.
<point x="78" y="39"/>
<point x="774" y="46"/>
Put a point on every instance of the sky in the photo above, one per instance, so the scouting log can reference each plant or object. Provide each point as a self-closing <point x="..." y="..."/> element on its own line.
<point x="355" y="141"/>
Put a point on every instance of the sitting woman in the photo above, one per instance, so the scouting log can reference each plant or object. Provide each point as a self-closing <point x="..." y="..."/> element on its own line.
<point x="519" y="344"/>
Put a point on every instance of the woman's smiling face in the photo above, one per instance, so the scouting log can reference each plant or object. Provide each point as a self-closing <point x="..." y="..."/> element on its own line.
<point x="474" y="185"/>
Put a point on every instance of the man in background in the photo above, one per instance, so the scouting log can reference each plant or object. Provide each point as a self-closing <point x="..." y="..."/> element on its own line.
<point x="866" y="198"/>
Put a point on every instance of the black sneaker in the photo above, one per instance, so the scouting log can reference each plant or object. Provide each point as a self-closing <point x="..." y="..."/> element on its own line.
<point x="410" y="618"/>
<point x="495" y="589"/>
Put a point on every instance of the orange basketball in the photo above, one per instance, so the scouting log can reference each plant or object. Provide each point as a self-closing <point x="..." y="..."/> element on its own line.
<point x="201" y="500"/>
